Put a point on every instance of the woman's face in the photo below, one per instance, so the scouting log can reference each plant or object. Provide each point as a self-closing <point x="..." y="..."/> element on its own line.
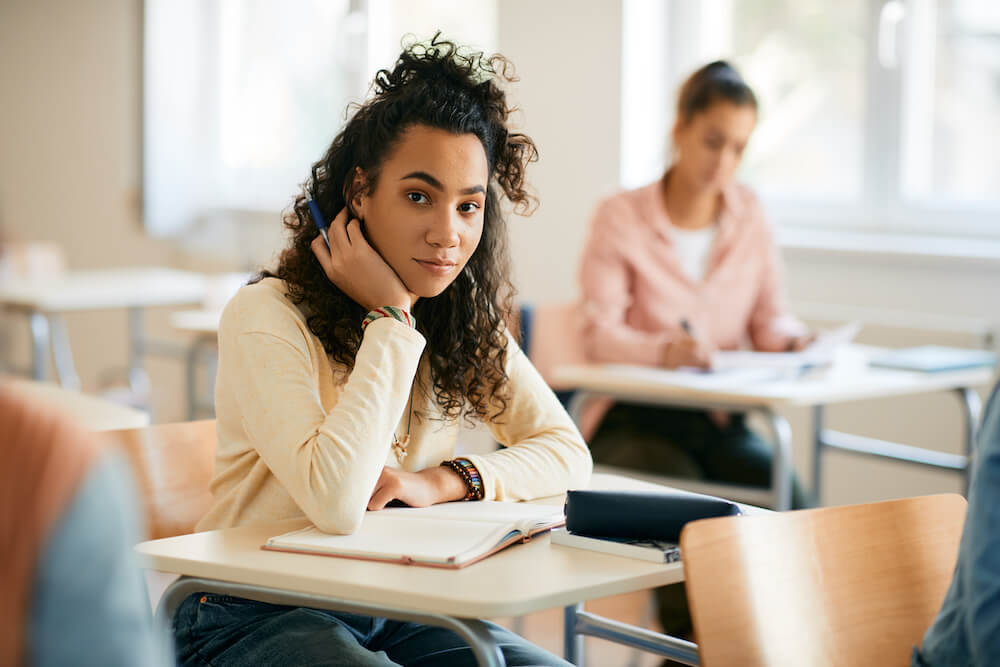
<point x="425" y="214"/>
<point x="710" y="144"/>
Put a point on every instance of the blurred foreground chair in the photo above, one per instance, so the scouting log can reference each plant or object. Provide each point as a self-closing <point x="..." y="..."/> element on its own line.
<point x="173" y="465"/>
<point x="73" y="593"/>
<point x="856" y="585"/>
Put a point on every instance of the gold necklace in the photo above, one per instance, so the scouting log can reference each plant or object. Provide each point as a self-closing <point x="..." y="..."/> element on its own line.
<point x="399" y="444"/>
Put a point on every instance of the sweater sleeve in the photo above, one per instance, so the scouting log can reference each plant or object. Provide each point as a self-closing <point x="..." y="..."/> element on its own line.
<point x="330" y="461"/>
<point x="606" y="283"/>
<point x="544" y="453"/>
<point x="771" y="325"/>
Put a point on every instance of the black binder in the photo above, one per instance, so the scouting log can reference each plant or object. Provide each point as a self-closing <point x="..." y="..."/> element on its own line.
<point x="640" y="514"/>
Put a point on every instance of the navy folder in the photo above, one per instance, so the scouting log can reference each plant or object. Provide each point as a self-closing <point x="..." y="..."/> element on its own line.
<point x="640" y="514"/>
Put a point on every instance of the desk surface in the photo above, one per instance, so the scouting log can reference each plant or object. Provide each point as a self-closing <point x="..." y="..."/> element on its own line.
<point x="111" y="288"/>
<point x="850" y="378"/>
<point x="196" y="321"/>
<point x="521" y="579"/>
<point x="92" y="412"/>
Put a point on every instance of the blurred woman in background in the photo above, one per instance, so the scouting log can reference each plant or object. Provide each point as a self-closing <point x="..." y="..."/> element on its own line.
<point x="674" y="271"/>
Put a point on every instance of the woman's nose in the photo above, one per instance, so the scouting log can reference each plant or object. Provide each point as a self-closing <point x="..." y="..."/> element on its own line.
<point x="444" y="232"/>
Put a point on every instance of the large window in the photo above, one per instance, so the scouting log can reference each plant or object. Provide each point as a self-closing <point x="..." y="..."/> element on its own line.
<point x="875" y="114"/>
<point x="242" y="96"/>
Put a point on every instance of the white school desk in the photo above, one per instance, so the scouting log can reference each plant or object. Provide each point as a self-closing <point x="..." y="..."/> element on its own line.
<point x="44" y="301"/>
<point x="519" y="580"/>
<point x="91" y="412"/>
<point x="850" y="378"/>
<point x="204" y="324"/>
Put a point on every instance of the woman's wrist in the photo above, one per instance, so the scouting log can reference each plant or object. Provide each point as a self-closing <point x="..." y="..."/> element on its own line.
<point x="469" y="474"/>
<point x="447" y="483"/>
<point x="395" y="312"/>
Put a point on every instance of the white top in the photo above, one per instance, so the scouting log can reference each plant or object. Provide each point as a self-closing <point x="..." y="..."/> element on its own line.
<point x="692" y="247"/>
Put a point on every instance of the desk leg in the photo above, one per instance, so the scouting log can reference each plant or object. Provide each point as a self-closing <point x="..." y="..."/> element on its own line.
<point x="972" y="407"/>
<point x="580" y="623"/>
<point x="40" y="338"/>
<point x="138" y="378"/>
<point x="572" y="642"/>
<point x="191" y="373"/>
<point x="781" y="462"/>
<point x="62" y="353"/>
<point x="576" y="405"/>
<point x="817" y="462"/>
<point x="474" y="631"/>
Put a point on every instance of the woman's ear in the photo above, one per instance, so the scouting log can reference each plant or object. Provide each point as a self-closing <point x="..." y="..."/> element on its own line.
<point x="358" y="193"/>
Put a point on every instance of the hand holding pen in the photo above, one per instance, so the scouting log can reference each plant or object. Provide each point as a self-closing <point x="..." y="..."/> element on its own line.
<point x="687" y="350"/>
<point x="318" y="219"/>
<point x="350" y="263"/>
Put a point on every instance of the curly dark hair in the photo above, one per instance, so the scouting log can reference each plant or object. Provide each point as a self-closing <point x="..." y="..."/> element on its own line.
<point x="439" y="85"/>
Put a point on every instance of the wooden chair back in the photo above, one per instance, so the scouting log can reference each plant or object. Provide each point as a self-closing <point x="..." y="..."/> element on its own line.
<point x="173" y="466"/>
<point x="856" y="585"/>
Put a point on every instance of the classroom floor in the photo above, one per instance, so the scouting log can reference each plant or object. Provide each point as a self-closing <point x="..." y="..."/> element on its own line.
<point x="545" y="628"/>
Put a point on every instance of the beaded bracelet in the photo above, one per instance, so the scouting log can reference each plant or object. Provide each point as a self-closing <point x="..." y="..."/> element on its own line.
<point x="388" y="311"/>
<point x="470" y="475"/>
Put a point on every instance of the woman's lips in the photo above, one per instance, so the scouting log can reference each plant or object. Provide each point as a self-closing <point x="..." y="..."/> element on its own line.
<point x="436" y="267"/>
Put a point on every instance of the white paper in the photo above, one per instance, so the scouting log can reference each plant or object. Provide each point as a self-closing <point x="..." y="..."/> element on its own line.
<point x="821" y="352"/>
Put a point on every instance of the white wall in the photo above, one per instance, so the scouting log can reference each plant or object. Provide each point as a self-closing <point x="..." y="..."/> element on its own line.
<point x="569" y="59"/>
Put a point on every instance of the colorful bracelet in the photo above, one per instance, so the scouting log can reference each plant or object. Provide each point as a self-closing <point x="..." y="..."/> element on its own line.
<point x="470" y="475"/>
<point x="389" y="311"/>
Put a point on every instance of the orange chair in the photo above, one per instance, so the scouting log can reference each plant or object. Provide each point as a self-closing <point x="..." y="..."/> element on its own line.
<point x="173" y="466"/>
<point x="856" y="585"/>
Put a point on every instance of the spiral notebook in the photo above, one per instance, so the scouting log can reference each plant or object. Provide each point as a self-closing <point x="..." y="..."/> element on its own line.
<point x="450" y="535"/>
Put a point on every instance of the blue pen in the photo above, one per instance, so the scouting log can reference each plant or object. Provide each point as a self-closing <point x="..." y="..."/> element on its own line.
<point x="317" y="216"/>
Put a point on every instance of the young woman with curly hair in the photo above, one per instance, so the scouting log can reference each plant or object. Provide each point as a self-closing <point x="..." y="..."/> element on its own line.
<point x="345" y="372"/>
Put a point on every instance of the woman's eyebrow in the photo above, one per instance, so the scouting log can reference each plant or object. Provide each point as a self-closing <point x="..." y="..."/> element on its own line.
<point x="435" y="183"/>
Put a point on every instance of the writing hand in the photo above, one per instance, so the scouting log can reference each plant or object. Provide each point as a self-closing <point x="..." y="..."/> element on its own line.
<point x="687" y="350"/>
<point x="799" y="343"/>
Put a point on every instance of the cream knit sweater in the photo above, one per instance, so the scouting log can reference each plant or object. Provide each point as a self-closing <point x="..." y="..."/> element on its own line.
<point x="299" y="435"/>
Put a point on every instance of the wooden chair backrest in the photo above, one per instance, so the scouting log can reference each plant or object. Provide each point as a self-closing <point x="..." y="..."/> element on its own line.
<point x="856" y="585"/>
<point x="173" y="466"/>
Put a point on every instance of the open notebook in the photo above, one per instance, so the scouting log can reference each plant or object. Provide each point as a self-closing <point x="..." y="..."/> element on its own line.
<point x="450" y="535"/>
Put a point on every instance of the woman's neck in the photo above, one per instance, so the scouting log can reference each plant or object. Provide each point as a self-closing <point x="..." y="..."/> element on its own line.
<point x="688" y="207"/>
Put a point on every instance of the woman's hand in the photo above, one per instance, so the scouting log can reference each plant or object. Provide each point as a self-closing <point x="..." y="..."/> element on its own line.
<point x="430" y="486"/>
<point x="799" y="343"/>
<point x="687" y="350"/>
<point x="357" y="269"/>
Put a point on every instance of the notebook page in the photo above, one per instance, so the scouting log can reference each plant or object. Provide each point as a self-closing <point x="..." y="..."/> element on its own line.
<point x="394" y="537"/>
<point x="509" y="513"/>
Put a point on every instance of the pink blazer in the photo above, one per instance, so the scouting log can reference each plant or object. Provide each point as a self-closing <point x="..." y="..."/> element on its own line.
<point x="635" y="293"/>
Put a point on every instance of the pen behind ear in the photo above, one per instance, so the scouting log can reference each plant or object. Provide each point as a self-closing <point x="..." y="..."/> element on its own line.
<point x="317" y="216"/>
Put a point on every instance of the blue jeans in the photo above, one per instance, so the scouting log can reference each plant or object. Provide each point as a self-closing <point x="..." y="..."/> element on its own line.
<point x="967" y="628"/>
<point x="222" y="630"/>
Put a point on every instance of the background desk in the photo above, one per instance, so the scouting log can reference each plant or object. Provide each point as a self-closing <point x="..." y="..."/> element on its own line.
<point x="519" y="580"/>
<point x="204" y="324"/>
<point x="45" y="301"/>
<point x="849" y="379"/>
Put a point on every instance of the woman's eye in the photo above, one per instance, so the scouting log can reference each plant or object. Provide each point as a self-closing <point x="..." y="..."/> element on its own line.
<point x="417" y="197"/>
<point x="468" y="207"/>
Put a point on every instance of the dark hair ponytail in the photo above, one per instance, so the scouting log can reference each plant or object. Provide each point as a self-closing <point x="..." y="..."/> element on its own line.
<point x="715" y="82"/>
